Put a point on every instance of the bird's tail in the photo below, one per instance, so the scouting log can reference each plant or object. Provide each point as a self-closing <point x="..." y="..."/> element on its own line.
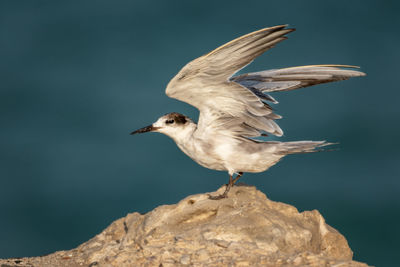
<point x="299" y="147"/>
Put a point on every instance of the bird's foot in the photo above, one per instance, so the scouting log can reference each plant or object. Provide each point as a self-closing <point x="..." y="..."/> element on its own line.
<point x="230" y="184"/>
<point x="223" y="195"/>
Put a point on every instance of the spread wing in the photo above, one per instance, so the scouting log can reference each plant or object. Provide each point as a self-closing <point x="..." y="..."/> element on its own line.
<point x="237" y="106"/>
<point x="294" y="78"/>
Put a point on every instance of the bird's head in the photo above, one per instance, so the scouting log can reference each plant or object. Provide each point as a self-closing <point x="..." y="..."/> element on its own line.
<point x="175" y="125"/>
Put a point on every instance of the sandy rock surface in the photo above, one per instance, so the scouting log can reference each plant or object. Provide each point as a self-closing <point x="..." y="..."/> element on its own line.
<point x="246" y="229"/>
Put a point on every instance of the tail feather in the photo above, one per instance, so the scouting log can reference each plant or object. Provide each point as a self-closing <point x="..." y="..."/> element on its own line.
<point x="299" y="147"/>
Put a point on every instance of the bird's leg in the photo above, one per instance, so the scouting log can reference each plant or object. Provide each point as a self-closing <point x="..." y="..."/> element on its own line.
<point x="237" y="177"/>
<point x="225" y="194"/>
<point x="228" y="187"/>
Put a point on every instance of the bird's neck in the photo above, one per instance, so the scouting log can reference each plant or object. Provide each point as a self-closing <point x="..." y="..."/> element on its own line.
<point x="184" y="138"/>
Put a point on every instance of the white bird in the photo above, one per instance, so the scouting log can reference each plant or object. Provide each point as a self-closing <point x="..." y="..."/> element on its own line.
<point x="234" y="110"/>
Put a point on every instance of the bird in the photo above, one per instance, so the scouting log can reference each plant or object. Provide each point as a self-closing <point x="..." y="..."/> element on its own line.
<point x="236" y="114"/>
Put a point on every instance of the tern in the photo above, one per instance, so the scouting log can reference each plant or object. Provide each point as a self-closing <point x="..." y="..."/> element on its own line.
<point x="235" y="111"/>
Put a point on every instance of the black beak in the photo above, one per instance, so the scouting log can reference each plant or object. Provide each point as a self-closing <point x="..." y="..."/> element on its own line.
<point x="146" y="129"/>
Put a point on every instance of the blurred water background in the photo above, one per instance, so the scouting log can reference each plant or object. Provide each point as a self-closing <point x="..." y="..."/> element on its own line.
<point x="76" y="77"/>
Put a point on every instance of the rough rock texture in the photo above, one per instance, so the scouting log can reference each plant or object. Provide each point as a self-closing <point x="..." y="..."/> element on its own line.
<point x="246" y="229"/>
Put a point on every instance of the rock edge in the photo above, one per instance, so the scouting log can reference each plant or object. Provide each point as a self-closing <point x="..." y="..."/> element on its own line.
<point x="246" y="229"/>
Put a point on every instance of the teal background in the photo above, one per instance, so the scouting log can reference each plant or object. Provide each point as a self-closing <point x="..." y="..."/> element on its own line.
<point x="76" y="77"/>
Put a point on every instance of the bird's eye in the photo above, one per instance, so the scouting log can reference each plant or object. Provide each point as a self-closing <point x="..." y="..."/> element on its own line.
<point x="169" y="121"/>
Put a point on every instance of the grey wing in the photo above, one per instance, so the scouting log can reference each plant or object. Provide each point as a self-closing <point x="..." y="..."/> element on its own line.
<point x="225" y="105"/>
<point x="263" y="82"/>
<point x="238" y="105"/>
<point x="241" y="116"/>
<point x="292" y="78"/>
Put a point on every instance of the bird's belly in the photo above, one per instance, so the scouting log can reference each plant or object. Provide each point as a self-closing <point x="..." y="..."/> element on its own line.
<point x="253" y="165"/>
<point x="211" y="163"/>
<point x="204" y="156"/>
<point x="231" y="155"/>
<point x="247" y="157"/>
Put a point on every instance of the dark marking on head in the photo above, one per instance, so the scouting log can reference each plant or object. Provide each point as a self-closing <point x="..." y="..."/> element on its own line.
<point x="177" y="118"/>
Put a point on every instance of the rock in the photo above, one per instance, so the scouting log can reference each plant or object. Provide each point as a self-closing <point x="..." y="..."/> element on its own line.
<point x="246" y="229"/>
